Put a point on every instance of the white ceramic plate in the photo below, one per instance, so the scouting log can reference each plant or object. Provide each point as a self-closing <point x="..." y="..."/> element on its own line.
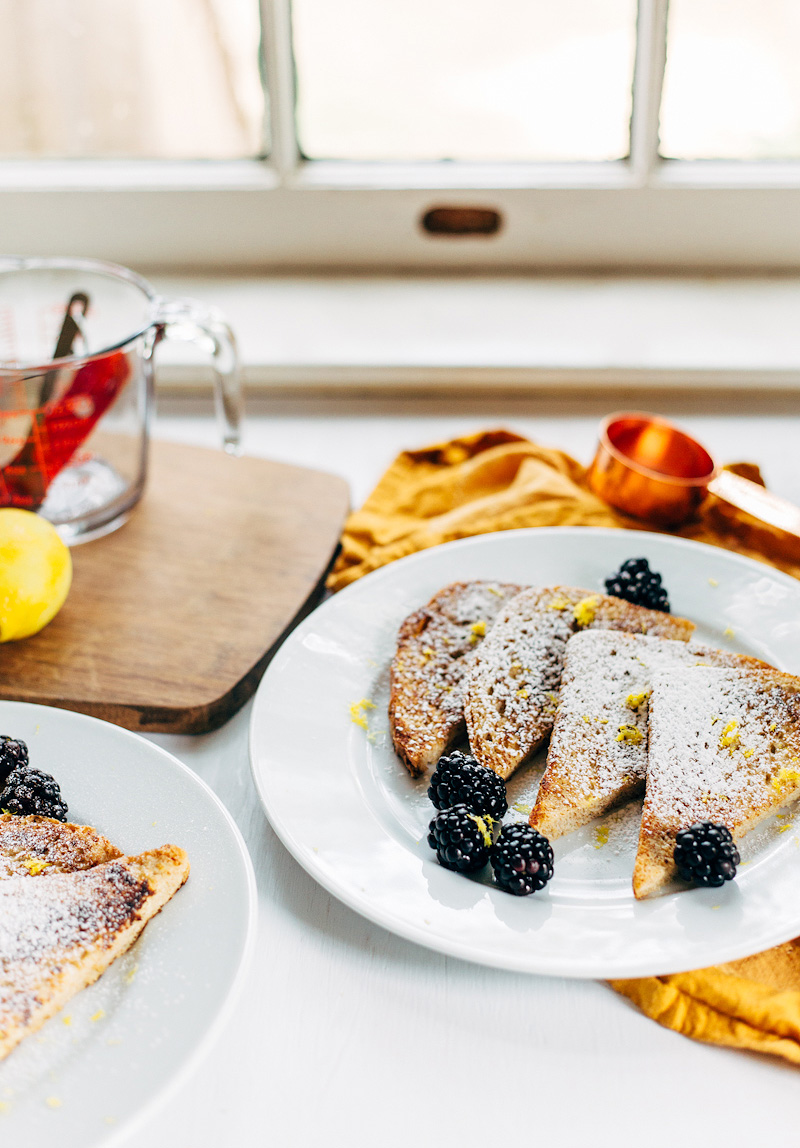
<point x="100" y="1064"/>
<point x="346" y="808"/>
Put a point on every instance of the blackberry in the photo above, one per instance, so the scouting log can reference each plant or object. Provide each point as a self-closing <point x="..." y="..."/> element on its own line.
<point x="522" y="859"/>
<point x="636" y="583"/>
<point x="13" y="752"/>
<point x="31" y="791"/>
<point x="461" y="839"/>
<point x="459" y="780"/>
<point x="705" y="853"/>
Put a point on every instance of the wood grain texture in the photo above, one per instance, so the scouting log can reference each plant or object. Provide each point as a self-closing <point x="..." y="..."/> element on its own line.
<point x="172" y="620"/>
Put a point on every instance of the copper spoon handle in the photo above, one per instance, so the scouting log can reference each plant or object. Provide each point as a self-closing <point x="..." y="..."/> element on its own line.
<point x="756" y="501"/>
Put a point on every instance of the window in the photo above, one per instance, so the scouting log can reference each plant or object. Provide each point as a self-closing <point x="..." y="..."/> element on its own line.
<point x="172" y="79"/>
<point x="732" y="86"/>
<point x="518" y="81"/>
<point x="322" y="133"/>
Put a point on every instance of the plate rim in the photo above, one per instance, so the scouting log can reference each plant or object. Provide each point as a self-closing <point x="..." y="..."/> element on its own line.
<point x="399" y="926"/>
<point x="192" y="1061"/>
<point x="606" y="531"/>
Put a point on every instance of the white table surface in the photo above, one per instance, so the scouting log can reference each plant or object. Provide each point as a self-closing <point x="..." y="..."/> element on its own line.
<point x="348" y="1037"/>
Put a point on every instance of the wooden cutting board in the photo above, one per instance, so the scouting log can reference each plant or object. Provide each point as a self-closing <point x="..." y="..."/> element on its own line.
<point x="172" y="619"/>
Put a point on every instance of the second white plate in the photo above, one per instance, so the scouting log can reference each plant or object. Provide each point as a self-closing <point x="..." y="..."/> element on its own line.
<point x="98" y="1066"/>
<point x="342" y="803"/>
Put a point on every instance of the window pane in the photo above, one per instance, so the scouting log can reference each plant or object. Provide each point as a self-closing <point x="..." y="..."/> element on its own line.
<point x="147" y="78"/>
<point x="463" y="79"/>
<point x="732" y="84"/>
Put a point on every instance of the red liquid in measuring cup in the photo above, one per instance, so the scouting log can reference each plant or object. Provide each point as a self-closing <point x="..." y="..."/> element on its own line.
<point x="58" y="429"/>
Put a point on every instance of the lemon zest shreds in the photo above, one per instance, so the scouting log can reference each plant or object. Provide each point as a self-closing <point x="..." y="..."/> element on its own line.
<point x="34" y="865"/>
<point x="630" y="734"/>
<point x="633" y="701"/>
<point x="357" y="712"/>
<point x="477" y="631"/>
<point x="601" y="836"/>
<point x="519" y="807"/>
<point x="785" y="777"/>
<point x="558" y="603"/>
<point x="585" y="611"/>
<point x="486" y="829"/>
<point x="729" y="738"/>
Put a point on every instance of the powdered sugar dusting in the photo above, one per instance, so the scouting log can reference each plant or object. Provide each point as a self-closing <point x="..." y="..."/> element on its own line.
<point x="513" y="688"/>
<point x="724" y="746"/>
<point x="598" y="751"/>
<point x="47" y="924"/>
<point x="592" y="757"/>
<point x="435" y="649"/>
<point x="512" y="691"/>
<point x="32" y="846"/>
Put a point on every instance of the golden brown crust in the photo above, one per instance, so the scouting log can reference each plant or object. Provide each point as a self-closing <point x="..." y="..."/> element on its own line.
<point x="58" y="935"/>
<point x="435" y="646"/>
<point x="33" y="846"/>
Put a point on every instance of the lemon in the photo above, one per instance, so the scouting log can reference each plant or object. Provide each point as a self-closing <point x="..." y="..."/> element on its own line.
<point x="35" y="573"/>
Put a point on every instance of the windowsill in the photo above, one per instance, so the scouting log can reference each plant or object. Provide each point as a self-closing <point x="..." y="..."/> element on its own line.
<point x="426" y="333"/>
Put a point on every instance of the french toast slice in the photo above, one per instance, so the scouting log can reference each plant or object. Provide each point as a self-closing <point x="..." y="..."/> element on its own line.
<point x="59" y="934"/>
<point x="435" y="647"/>
<point x="724" y="747"/>
<point x="32" y="846"/>
<point x="598" y="749"/>
<point x="511" y="693"/>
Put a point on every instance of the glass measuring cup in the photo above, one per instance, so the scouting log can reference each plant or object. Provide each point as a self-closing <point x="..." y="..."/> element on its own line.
<point x="77" y="338"/>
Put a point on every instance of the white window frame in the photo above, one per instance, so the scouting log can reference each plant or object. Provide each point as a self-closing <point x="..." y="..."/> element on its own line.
<point x="641" y="213"/>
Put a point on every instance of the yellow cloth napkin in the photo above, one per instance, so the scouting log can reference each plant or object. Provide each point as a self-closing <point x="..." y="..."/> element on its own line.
<point x="753" y="1004"/>
<point x="497" y="480"/>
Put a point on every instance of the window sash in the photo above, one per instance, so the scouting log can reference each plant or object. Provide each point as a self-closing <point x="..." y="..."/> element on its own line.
<point x="283" y="210"/>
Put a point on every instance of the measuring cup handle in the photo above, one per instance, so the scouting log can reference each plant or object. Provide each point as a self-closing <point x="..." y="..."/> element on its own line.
<point x="192" y="321"/>
<point x="756" y="501"/>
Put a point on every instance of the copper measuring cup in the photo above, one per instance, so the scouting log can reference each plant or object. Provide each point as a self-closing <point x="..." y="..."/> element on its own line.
<point x="648" y="468"/>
